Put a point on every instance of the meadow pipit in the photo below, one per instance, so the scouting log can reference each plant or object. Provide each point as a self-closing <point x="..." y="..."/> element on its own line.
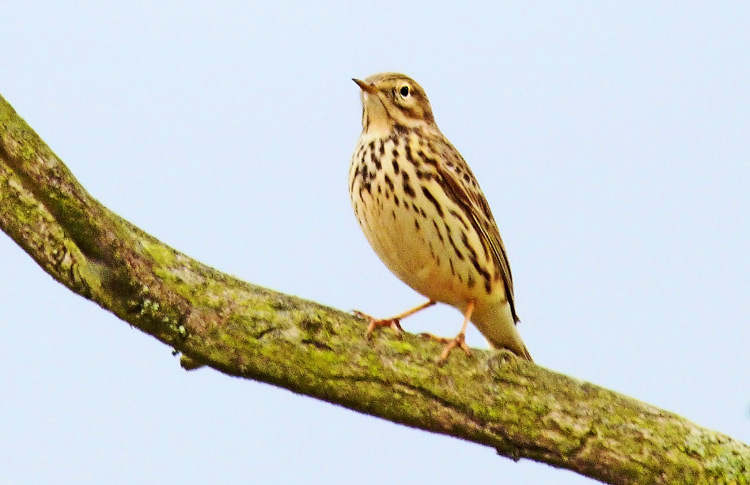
<point x="424" y="214"/>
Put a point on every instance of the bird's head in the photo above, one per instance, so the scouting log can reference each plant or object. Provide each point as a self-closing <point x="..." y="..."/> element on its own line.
<point x="392" y="101"/>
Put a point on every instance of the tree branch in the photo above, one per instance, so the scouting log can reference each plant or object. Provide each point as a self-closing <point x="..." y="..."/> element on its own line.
<point x="520" y="409"/>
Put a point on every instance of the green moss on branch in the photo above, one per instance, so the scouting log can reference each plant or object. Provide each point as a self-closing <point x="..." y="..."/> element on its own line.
<point x="521" y="410"/>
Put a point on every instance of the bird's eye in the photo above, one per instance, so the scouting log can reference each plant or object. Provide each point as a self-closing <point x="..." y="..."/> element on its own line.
<point x="404" y="91"/>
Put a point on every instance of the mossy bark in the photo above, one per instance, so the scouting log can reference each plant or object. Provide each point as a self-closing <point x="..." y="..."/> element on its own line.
<point x="492" y="398"/>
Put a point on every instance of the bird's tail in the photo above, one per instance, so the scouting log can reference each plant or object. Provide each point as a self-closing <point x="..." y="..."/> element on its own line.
<point x="526" y="355"/>
<point x="511" y="340"/>
<point x="500" y="329"/>
<point x="517" y="347"/>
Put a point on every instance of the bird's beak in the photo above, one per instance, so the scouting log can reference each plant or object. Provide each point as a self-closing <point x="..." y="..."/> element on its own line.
<point x="368" y="88"/>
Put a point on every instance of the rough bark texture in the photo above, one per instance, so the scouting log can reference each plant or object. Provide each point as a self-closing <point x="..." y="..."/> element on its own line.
<point x="493" y="399"/>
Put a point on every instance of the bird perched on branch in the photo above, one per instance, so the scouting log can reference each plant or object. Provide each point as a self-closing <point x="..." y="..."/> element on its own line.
<point x="424" y="214"/>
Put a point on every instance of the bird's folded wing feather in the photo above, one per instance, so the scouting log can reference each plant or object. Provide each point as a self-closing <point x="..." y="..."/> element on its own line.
<point x="475" y="205"/>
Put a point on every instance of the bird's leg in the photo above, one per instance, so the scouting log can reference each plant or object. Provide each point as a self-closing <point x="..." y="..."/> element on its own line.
<point x="459" y="340"/>
<point x="393" y="322"/>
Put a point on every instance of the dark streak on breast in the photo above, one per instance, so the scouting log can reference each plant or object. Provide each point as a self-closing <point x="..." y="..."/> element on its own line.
<point x="432" y="200"/>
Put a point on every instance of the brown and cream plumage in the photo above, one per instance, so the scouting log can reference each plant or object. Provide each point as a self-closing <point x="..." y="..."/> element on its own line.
<point x="426" y="217"/>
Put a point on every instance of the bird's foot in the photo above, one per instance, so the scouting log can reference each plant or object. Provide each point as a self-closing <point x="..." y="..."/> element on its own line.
<point x="450" y="344"/>
<point x="373" y="323"/>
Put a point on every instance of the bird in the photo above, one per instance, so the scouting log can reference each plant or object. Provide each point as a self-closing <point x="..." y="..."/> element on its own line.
<point x="424" y="214"/>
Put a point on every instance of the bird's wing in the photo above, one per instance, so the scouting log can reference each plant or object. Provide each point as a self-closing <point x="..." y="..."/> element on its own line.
<point x="463" y="188"/>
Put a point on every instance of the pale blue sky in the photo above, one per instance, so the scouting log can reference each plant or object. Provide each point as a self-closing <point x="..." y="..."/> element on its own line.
<point x="611" y="142"/>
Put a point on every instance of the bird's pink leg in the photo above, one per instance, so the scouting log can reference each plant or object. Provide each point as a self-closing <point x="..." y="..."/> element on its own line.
<point x="459" y="340"/>
<point x="393" y="322"/>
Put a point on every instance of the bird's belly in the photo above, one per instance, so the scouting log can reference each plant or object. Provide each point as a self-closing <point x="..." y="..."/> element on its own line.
<point x="407" y="242"/>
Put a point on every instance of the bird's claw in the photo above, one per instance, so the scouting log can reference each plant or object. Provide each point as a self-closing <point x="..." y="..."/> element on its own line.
<point x="450" y="344"/>
<point x="373" y="323"/>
